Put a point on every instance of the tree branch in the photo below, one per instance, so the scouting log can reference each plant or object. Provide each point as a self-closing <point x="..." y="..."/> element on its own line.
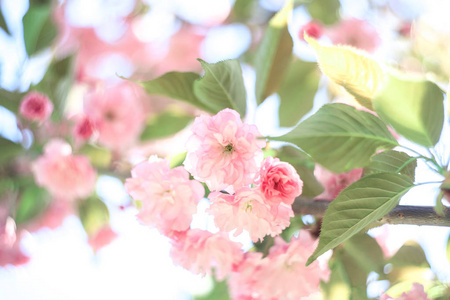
<point x="402" y="214"/>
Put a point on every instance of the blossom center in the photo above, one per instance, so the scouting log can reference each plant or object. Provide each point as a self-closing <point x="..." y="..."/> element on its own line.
<point x="228" y="148"/>
<point x="110" y="116"/>
<point x="247" y="206"/>
<point x="169" y="196"/>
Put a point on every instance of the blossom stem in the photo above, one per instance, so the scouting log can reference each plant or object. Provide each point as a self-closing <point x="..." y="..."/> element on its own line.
<point x="402" y="214"/>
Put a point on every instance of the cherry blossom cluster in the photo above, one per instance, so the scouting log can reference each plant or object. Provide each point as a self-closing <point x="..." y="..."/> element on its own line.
<point x="248" y="194"/>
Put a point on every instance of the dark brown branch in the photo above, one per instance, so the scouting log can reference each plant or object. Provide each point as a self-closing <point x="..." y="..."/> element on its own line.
<point x="402" y="214"/>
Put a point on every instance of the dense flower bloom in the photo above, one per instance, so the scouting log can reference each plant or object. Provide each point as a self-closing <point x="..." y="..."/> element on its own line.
<point x="64" y="175"/>
<point x="223" y="151"/>
<point x="117" y="114"/>
<point x="335" y="183"/>
<point x="36" y="107"/>
<point x="417" y="292"/>
<point x="279" y="181"/>
<point x="312" y="28"/>
<point x="357" y="33"/>
<point x="282" y="274"/>
<point x="200" y="251"/>
<point x="102" y="238"/>
<point x="247" y="210"/>
<point x="169" y="198"/>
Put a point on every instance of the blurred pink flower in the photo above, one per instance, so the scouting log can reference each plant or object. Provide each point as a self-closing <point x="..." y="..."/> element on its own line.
<point x="184" y="49"/>
<point x="52" y="217"/>
<point x="223" y="151"/>
<point x="280" y="275"/>
<point x="313" y="28"/>
<point x="117" y="114"/>
<point x="354" y="32"/>
<point x="335" y="183"/>
<point x="279" y="181"/>
<point x="417" y="292"/>
<point x="200" y="251"/>
<point x="169" y="198"/>
<point x="247" y="210"/>
<point x="83" y="129"/>
<point x="12" y="255"/>
<point x="64" y="175"/>
<point x="102" y="238"/>
<point x="36" y="107"/>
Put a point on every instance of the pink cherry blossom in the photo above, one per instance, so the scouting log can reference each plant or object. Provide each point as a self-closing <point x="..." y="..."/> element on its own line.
<point x="279" y="181"/>
<point x="335" y="183"/>
<point x="116" y="113"/>
<point x="64" y="175"/>
<point x="223" y="151"/>
<point x="200" y="251"/>
<point x="417" y="292"/>
<point x="102" y="238"/>
<point x="280" y="275"/>
<point x="313" y="29"/>
<point x="247" y="210"/>
<point x="169" y="198"/>
<point x="354" y="32"/>
<point x="36" y="107"/>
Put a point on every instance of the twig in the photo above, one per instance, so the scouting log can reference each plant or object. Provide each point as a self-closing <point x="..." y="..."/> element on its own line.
<point x="402" y="214"/>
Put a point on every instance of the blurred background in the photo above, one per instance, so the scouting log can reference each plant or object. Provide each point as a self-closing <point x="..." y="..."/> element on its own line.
<point x="105" y="39"/>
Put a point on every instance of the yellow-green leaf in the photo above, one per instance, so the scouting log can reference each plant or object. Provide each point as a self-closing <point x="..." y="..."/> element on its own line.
<point x="351" y="68"/>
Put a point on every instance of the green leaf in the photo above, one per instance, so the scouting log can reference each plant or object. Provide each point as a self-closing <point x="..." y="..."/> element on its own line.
<point x="413" y="107"/>
<point x="358" y="205"/>
<point x="222" y="86"/>
<point x="305" y="169"/>
<point x="11" y="100"/>
<point x="243" y="10"/>
<point x="340" y="138"/>
<point x="56" y="84"/>
<point x="218" y="292"/>
<point x="326" y="11"/>
<point x="393" y="162"/>
<point x="177" y="160"/>
<point x="3" y="24"/>
<point x="176" y="85"/>
<point x="274" y="54"/>
<point x="439" y="207"/>
<point x="38" y="29"/>
<point x="296" y="223"/>
<point x="94" y="214"/>
<point x="338" y="286"/>
<point x="164" y="125"/>
<point x="33" y="201"/>
<point x="9" y="150"/>
<point x="366" y="253"/>
<point x="351" y="68"/>
<point x="99" y="157"/>
<point x="297" y="92"/>
<point x="410" y="254"/>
